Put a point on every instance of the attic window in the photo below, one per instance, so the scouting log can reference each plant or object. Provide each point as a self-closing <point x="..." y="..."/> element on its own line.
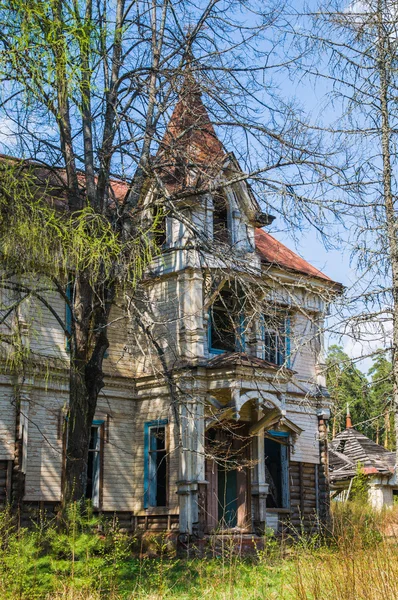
<point x="341" y="446"/>
<point x="220" y="219"/>
<point x="159" y="225"/>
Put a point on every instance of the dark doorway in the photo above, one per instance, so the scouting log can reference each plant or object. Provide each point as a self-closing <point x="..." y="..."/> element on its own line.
<point x="227" y="497"/>
<point x="276" y="472"/>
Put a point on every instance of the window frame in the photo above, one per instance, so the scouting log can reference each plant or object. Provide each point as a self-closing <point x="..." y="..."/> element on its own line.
<point x="161" y="234"/>
<point x="149" y="479"/>
<point x="285" y="335"/>
<point x="239" y="331"/>
<point x="96" y="496"/>
<point x="222" y="235"/>
<point x="284" y="442"/>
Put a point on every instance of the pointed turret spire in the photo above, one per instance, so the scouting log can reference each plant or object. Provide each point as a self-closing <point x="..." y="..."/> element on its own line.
<point x="190" y="152"/>
<point x="348" y="422"/>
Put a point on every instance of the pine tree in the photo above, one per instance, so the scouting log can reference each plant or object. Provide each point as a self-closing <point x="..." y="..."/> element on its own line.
<point x="347" y="386"/>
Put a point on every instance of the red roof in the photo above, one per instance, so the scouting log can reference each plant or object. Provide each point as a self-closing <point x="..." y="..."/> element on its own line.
<point x="190" y="154"/>
<point x="273" y="252"/>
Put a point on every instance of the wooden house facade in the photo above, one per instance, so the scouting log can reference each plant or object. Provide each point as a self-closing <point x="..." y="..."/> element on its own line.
<point x="215" y="411"/>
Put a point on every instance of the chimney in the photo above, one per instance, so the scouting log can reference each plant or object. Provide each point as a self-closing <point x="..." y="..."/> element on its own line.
<point x="348" y="422"/>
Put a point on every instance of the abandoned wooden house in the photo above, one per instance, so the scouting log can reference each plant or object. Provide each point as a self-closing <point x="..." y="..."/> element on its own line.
<point x="351" y="452"/>
<point x="225" y="428"/>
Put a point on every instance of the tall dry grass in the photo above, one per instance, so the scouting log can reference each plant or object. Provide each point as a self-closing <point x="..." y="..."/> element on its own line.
<point x="357" y="561"/>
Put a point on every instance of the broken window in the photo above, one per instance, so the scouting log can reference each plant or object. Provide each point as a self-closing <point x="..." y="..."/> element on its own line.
<point x="159" y="225"/>
<point x="94" y="465"/>
<point x="276" y="339"/>
<point x="220" y="219"/>
<point x="276" y="469"/>
<point x="226" y="327"/>
<point x="155" y="465"/>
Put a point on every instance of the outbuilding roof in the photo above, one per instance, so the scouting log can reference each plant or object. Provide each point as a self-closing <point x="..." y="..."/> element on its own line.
<point x="351" y="447"/>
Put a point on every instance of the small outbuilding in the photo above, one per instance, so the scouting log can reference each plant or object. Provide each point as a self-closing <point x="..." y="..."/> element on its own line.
<point x="350" y="448"/>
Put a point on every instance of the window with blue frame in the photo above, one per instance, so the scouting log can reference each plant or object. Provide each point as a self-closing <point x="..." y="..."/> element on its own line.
<point x="94" y="463"/>
<point x="276" y="339"/>
<point x="277" y="468"/>
<point x="226" y="324"/>
<point x="155" y="466"/>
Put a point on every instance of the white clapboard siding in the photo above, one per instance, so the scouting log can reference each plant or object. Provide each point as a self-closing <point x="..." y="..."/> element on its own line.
<point x="156" y="408"/>
<point x="7" y="421"/>
<point x="118" y="415"/>
<point x="118" y="361"/>
<point x="162" y="307"/>
<point x="44" y="452"/>
<point x="303" y="346"/>
<point x="43" y="332"/>
<point x="306" y="447"/>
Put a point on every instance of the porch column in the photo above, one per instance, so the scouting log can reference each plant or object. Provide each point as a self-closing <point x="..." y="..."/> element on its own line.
<point x="192" y="463"/>
<point x="200" y="495"/>
<point x="259" y="486"/>
<point x="323" y="471"/>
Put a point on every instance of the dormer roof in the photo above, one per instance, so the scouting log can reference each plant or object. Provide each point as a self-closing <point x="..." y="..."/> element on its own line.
<point x="190" y="155"/>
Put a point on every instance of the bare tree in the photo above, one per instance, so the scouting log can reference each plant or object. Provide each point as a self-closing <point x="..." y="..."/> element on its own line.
<point x="349" y="51"/>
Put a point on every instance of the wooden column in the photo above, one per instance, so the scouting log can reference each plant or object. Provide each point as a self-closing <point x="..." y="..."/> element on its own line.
<point x="192" y="465"/>
<point x="323" y="472"/>
<point x="259" y="487"/>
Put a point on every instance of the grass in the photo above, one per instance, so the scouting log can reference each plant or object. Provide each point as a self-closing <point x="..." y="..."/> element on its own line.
<point x="82" y="558"/>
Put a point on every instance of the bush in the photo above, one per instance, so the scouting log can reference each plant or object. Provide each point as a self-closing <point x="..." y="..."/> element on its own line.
<point x="80" y="552"/>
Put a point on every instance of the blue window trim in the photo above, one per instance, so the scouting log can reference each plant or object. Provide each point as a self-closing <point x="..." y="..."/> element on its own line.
<point x="284" y="466"/>
<point x="147" y="427"/>
<point x="275" y="433"/>
<point x="211" y="350"/>
<point x="287" y="341"/>
<point x="240" y="341"/>
<point x="68" y="314"/>
<point x="286" y="332"/>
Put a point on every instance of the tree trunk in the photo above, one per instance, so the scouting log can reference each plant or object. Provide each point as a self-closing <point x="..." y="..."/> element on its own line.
<point x="82" y="406"/>
<point x="391" y="220"/>
<point x="86" y="380"/>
